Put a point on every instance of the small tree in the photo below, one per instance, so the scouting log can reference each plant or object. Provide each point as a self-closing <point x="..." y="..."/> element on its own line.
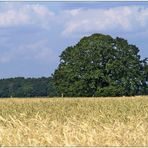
<point x="101" y="66"/>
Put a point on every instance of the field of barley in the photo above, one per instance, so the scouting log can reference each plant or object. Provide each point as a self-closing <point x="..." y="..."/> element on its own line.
<point x="119" y="121"/>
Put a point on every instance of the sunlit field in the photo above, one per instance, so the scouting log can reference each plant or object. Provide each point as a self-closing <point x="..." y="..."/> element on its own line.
<point x="119" y="121"/>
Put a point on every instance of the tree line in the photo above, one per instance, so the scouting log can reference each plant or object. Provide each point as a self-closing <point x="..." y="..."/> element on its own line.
<point x="27" y="87"/>
<point x="98" y="65"/>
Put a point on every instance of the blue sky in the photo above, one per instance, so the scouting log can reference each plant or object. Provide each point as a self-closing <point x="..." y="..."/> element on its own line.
<point x="33" y="34"/>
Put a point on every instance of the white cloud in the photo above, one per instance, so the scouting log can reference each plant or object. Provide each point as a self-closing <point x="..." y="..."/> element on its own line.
<point x="123" y="18"/>
<point x="73" y="12"/>
<point x="70" y="22"/>
<point x="126" y="18"/>
<point x="37" y="51"/>
<point x="25" y="14"/>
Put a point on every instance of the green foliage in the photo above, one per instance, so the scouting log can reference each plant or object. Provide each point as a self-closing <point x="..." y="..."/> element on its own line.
<point x="29" y="87"/>
<point x="101" y="66"/>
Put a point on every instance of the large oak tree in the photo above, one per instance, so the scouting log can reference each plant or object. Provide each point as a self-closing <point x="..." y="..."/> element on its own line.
<point x="100" y="65"/>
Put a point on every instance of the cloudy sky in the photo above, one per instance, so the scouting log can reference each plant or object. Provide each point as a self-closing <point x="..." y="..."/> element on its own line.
<point x="33" y="34"/>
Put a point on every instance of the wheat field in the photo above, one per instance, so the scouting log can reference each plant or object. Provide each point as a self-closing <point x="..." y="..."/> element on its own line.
<point x="121" y="121"/>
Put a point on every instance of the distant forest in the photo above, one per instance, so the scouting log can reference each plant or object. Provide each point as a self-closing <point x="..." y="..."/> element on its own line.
<point x="27" y="87"/>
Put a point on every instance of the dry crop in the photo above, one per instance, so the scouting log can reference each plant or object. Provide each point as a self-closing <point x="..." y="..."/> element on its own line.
<point x="115" y="121"/>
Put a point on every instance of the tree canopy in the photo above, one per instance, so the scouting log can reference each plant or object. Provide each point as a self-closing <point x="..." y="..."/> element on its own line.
<point x="99" y="65"/>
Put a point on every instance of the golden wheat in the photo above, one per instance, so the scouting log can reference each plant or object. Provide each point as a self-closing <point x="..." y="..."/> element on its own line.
<point x="115" y="121"/>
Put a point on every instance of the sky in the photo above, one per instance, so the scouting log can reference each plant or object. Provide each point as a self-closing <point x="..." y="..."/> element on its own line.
<point x="33" y="34"/>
